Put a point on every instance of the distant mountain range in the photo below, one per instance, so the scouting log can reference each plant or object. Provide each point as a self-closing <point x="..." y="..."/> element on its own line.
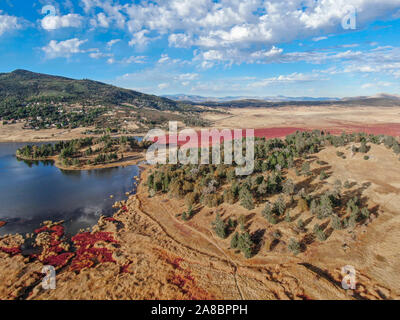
<point x="200" y="99"/>
<point x="280" y="98"/>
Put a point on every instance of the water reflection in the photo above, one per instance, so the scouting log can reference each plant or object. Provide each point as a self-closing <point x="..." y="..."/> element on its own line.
<point x="34" y="191"/>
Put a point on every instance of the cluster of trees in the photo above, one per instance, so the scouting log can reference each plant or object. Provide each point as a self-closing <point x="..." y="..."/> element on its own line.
<point x="272" y="212"/>
<point x="63" y="148"/>
<point x="391" y="143"/>
<point x="222" y="228"/>
<point x="211" y="185"/>
<point x="81" y="151"/>
<point x="44" y="116"/>
<point x="244" y="243"/>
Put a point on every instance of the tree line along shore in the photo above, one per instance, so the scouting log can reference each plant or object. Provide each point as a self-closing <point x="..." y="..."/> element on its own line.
<point x="86" y="153"/>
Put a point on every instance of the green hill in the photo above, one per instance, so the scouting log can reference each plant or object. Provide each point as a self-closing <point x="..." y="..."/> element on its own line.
<point x="44" y="101"/>
<point x="21" y="87"/>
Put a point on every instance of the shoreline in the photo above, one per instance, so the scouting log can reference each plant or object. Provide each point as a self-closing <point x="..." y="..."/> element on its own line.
<point x="126" y="163"/>
<point x="145" y="243"/>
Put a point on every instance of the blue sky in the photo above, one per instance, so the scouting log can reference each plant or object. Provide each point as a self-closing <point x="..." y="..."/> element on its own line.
<point x="318" y="48"/>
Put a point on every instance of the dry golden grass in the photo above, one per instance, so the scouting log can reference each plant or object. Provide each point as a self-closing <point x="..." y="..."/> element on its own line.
<point x="173" y="259"/>
<point x="316" y="117"/>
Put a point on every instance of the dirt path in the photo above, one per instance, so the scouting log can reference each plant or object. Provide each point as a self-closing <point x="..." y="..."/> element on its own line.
<point x="228" y="259"/>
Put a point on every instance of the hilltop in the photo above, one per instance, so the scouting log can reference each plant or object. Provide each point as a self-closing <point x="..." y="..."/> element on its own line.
<point x="27" y="86"/>
<point x="41" y="101"/>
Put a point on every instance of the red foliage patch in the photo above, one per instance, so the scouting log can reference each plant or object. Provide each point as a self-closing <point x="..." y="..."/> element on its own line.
<point x="11" y="251"/>
<point x="56" y="230"/>
<point x="60" y="260"/>
<point x="89" y="239"/>
<point x="86" y="255"/>
<point x="54" y="254"/>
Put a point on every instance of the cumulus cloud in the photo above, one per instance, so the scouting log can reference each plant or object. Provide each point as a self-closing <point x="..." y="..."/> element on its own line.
<point x="112" y="42"/>
<point x="64" y="49"/>
<point x="129" y="60"/>
<point x="162" y="86"/>
<point x="291" y="78"/>
<point x="376" y="84"/>
<point x="56" y="22"/>
<point x="219" y="26"/>
<point x="8" y="23"/>
<point x="234" y="55"/>
<point x="139" y="39"/>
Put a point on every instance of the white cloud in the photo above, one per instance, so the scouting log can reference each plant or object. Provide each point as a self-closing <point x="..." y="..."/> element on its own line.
<point x="103" y="20"/>
<point x="97" y="54"/>
<point x="56" y="22"/>
<point x="376" y="84"/>
<point x="8" y="23"/>
<point x="187" y="76"/>
<point x="139" y="39"/>
<point x="234" y="31"/>
<point x="316" y="39"/>
<point x="129" y="60"/>
<point x="162" y="86"/>
<point x="291" y="78"/>
<point x="63" y="48"/>
<point x="112" y="42"/>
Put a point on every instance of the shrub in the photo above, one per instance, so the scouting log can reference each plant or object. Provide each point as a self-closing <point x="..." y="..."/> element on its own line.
<point x="300" y="225"/>
<point x="323" y="175"/>
<point x="229" y="197"/>
<point x="294" y="246"/>
<point x="305" y="169"/>
<point x="336" y="223"/>
<point x="319" y="233"/>
<point x="365" y="213"/>
<point x="190" y="199"/>
<point x="288" y="217"/>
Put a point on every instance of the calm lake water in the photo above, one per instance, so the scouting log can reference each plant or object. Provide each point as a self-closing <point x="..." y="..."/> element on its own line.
<point x="32" y="192"/>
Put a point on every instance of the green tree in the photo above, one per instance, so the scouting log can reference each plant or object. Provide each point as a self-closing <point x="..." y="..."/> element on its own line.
<point x="246" y="198"/>
<point x="235" y="241"/>
<point x="220" y="227"/>
<point x="245" y="244"/>
<point x="288" y="187"/>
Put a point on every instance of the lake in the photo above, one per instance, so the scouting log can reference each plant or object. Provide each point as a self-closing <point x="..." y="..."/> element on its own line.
<point x="32" y="192"/>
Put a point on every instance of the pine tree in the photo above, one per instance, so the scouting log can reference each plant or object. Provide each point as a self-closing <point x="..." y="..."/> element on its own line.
<point x="288" y="187"/>
<point x="235" y="241"/>
<point x="279" y="206"/>
<point x="220" y="227"/>
<point x="245" y="244"/>
<point x="287" y="216"/>
<point x="246" y="199"/>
